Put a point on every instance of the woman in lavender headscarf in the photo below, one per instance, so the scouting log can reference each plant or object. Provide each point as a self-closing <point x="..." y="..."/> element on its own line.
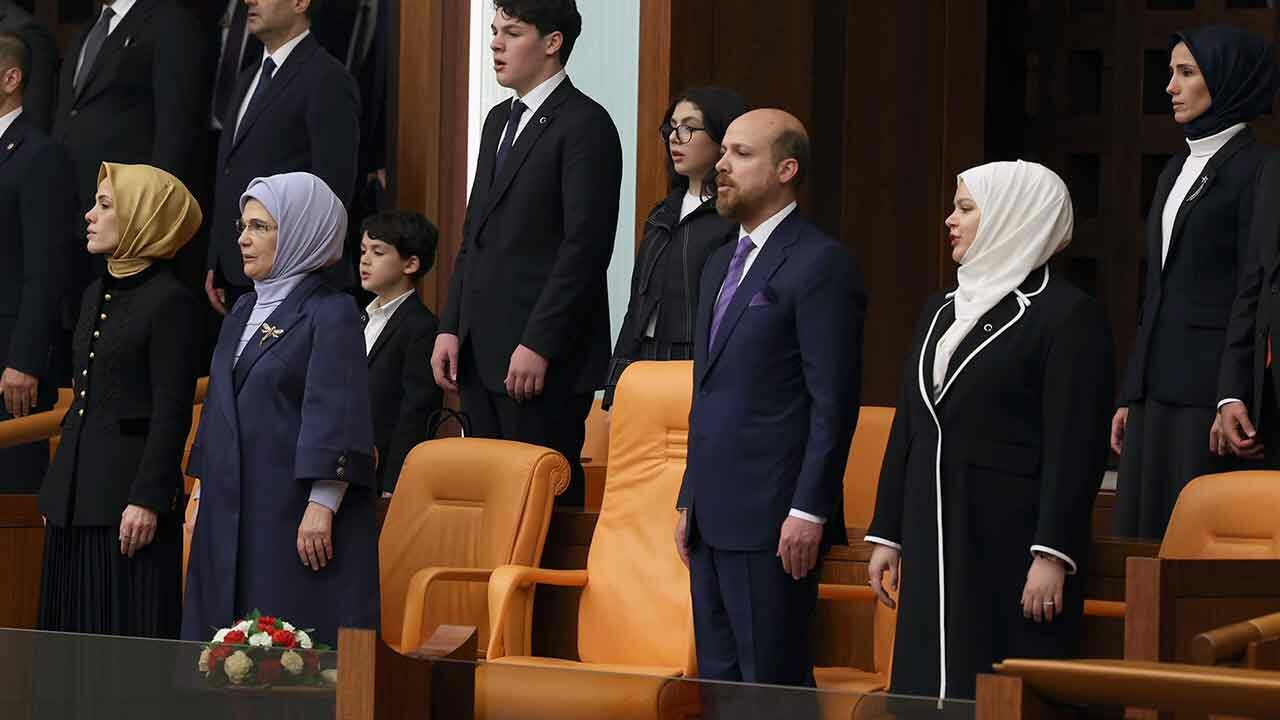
<point x="284" y="452"/>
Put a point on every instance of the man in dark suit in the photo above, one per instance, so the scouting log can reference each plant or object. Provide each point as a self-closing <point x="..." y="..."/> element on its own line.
<point x="37" y="208"/>
<point x="40" y="93"/>
<point x="397" y="249"/>
<point x="777" y="367"/>
<point x="297" y="110"/>
<point x="524" y="336"/>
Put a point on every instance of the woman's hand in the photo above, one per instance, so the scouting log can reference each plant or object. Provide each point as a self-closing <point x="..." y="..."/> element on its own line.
<point x="315" y="536"/>
<point x="137" y="529"/>
<point x="884" y="559"/>
<point x="1042" y="595"/>
<point x="1119" y="423"/>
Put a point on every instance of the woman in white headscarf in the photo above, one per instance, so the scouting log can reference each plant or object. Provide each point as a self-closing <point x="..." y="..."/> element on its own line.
<point x="284" y="451"/>
<point x="998" y="445"/>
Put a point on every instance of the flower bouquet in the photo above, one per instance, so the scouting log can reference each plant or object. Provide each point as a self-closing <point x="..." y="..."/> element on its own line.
<point x="261" y="650"/>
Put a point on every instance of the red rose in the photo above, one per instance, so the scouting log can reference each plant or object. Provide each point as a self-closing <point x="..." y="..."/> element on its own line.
<point x="283" y="639"/>
<point x="218" y="652"/>
<point x="266" y="622"/>
<point x="269" y="670"/>
<point x="235" y="637"/>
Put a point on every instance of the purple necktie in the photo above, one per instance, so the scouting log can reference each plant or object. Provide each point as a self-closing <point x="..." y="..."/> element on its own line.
<point x="731" y="281"/>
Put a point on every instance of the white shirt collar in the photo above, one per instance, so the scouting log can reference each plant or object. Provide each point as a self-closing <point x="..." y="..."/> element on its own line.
<point x="766" y="228"/>
<point x="283" y="52"/>
<point x="6" y="121"/>
<point x="120" y="8"/>
<point x="535" y="97"/>
<point x="1207" y="146"/>
<point x="388" y="309"/>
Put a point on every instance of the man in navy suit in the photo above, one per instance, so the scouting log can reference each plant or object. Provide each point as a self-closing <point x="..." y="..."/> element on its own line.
<point x="777" y="367"/>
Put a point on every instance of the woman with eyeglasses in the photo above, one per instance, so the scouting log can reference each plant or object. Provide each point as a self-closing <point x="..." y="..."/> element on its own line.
<point x="285" y="448"/>
<point x="111" y="500"/>
<point x="682" y="231"/>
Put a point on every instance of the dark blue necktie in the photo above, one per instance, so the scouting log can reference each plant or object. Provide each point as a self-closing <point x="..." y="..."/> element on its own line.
<point x="260" y="92"/>
<point x="509" y="137"/>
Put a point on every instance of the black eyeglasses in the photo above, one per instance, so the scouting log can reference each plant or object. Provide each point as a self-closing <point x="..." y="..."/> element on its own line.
<point x="684" y="133"/>
<point x="255" y="227"/>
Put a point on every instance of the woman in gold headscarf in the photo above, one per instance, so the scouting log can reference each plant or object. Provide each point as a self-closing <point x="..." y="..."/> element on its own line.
<point x="111" y="500"/>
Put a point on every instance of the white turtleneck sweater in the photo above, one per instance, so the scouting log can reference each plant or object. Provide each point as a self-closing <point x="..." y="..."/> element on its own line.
<point x="1201" y="151"/>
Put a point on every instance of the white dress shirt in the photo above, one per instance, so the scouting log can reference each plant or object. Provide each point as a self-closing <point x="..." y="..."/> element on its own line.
<point x="278" y="57"/>
<point x="759" y="236"/>
<point x="534" y="100"/>
<point x="120" y="8"/>
<point x="6" y="120"/>
<point x="379" y="315"/>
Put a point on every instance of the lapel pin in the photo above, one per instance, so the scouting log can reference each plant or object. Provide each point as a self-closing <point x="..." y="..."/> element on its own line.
<point x="10" y="147"/>
<point x="128" y="40"/>
<point x="269" y="332"/>
<point x="542" y="120"/>
<point x="1204" y="180"/>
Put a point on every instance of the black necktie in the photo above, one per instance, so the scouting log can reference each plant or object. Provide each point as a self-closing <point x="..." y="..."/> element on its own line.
<point x="229" y="65"/>
<point x="93" y="45"/>
<point x="260" y="92"/>
<point x="509" y="137"/>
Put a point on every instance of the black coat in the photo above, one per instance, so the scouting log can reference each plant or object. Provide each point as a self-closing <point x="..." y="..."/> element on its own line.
<point x="1177" y="355"/>
<point x="137" y="349"/>
<point x="145" y="100"/>
<point x="37" y="211"/>
<point x="1020" y="438"/>
<point x="310" y="122"/>
<point x="536" y="245"/>
<point x="402" y="393"/>
<point x="667" y="269"/>
<point x="40" y="93"/>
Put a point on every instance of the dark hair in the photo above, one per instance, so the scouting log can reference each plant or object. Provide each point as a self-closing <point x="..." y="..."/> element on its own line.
<point x="14" y="52"/>
<point x="793" y="144"/>
<point x="548" y="16"/>
<point x="408" y="232"/>
<point x="720" y="106"/>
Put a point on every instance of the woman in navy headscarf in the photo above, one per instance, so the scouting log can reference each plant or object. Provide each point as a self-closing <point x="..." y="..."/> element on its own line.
<point x="1198" y="244"/>
<point x="284" y="452"/>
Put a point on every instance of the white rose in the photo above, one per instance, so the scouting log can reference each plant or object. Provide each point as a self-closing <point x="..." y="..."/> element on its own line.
<point x="261" y="640"/>
<point x="238" y="667"/>
<point x="292" y="662"/>
<point x="288" y="627"/>
<point x="204" y="661"/>
<point x="304" y="640"/>
<point x="221" y="634"/>
<point x="329" y="676"/>
<point x="243" y="626"/>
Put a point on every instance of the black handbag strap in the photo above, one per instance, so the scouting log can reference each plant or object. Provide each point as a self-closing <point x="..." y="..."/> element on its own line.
<point x="444" y="415"/>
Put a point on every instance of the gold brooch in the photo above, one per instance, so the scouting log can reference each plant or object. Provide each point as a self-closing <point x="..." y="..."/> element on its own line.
<point x="269" y="333"/>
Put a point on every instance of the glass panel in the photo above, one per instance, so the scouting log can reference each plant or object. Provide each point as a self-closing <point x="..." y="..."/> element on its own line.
<point x="1085" y="82"/>
<point x="1155" y="78"/>
<point x="1084" y="180"/>
<point x="1152" y="166"/>
<point x="58" y="675"/>
<point x="1250" y="4"/>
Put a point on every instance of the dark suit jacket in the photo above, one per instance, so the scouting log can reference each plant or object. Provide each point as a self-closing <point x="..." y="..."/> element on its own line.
<point x="402" y="392"/>
<point x="1177" y="355"/>
<point x="41" y="90"/>
<point x="1256" y="309"/>
<point x="144" y="100"/>
<point x="310" y="122"/>
<point x="137" y="348"/>
<point x="37" y="211"/>
<point x="776" y="399"/>
<point x="542" y="231"/>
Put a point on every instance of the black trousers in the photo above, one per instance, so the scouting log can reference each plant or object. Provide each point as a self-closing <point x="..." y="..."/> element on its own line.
<point x="552" y="421"/>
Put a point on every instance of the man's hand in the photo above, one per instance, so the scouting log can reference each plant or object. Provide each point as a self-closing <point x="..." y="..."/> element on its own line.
<point x="1236" y="433"/>
<point x="682" y="537"/>
<point x="217" y="296"/>
<point x="21" y="392"/>
<point x="1119" y="423"/>
<point x="444" y="361"/>
<point x="798" y="546"/>
<point x="315" y="536"/>
<point x="526" y="374"/>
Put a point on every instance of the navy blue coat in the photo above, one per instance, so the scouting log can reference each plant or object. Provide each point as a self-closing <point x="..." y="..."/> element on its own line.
<point x="776" y="399"/>
<point x="293" y="410"/>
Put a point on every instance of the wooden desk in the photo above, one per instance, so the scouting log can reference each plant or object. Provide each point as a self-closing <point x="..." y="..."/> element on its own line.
<point x="21" y="555"/>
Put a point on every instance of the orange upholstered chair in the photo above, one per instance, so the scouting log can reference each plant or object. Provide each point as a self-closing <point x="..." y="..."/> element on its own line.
<point x="1228" y="516"/>
<point x="462" y="507"/>
<point x="635" y="620"/>
<point x="595" y="455"/>
<point x="862" y="471"/>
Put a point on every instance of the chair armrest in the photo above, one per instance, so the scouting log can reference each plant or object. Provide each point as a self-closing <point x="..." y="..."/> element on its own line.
<point x="32" y="428"/>
<point x="415" y="598"/>
<point x="1104" y="608"/>
<point x="855" y="593"/>
<point x="503" y="586"/>
<point x="1231" y="642"/>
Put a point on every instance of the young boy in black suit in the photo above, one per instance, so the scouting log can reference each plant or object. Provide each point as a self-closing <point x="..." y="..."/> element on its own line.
<point x="397" y="248"/>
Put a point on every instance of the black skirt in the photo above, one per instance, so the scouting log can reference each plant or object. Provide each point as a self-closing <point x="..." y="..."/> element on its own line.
<point x="88" y="586"/>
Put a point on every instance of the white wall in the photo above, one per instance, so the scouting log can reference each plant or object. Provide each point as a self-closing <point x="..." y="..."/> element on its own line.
<point x="604" y="65"/>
